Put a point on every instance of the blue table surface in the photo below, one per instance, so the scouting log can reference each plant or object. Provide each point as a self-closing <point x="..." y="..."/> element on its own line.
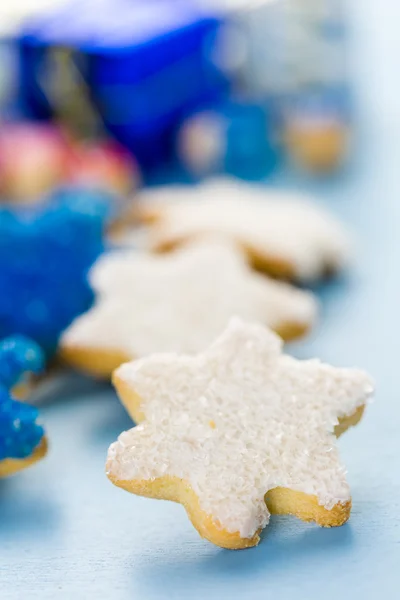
<point x="66" y="532"/>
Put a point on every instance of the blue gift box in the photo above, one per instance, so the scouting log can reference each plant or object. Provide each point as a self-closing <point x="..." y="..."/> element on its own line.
<point x="133" y="67"/>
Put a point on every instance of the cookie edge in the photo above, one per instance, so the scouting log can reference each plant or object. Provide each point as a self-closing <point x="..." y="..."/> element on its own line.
<point x="10" y="466"/>
<point x="280" y="501"/>
<point x="100" y="363"/>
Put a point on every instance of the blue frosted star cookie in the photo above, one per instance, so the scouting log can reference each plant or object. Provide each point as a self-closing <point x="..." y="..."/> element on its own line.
<point x="22" y="439"/>
<point x="45" y="253"/>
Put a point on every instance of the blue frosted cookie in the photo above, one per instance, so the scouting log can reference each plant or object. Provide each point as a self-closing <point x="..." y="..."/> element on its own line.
<point x="45" y="253"/>
<point x="22" y="438"/>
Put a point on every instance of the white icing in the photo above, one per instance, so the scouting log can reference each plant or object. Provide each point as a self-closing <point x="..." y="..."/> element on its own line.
<point x="180" y="302"/>
<point x="274" y="419"/>
<point x="270" y="223"/>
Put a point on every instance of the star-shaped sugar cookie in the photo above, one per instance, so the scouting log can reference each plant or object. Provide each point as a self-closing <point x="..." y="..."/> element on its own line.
<point x="177" y="303"/>
<point x="285" y="234"/>
<point x="22" y="439"/>
<point x="238" y="432"/>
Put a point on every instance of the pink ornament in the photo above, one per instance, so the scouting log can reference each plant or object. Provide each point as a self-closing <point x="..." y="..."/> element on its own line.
<point x="104" y="165"/>
<point x="32" y="160"/>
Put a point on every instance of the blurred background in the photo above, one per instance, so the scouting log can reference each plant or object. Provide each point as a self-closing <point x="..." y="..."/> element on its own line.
<point x="237" y="86"/>
<point x="99" y="98"/>
<point x="234" y="85"/>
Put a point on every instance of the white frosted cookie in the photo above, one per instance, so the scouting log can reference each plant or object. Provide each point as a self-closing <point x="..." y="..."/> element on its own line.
<point x="238" y="432"/>
<point x="176" y="303"/>
<point x="283" y="233"/>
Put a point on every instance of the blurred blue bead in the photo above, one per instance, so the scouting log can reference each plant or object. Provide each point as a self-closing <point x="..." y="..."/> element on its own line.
<point x="251" y="151"/>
